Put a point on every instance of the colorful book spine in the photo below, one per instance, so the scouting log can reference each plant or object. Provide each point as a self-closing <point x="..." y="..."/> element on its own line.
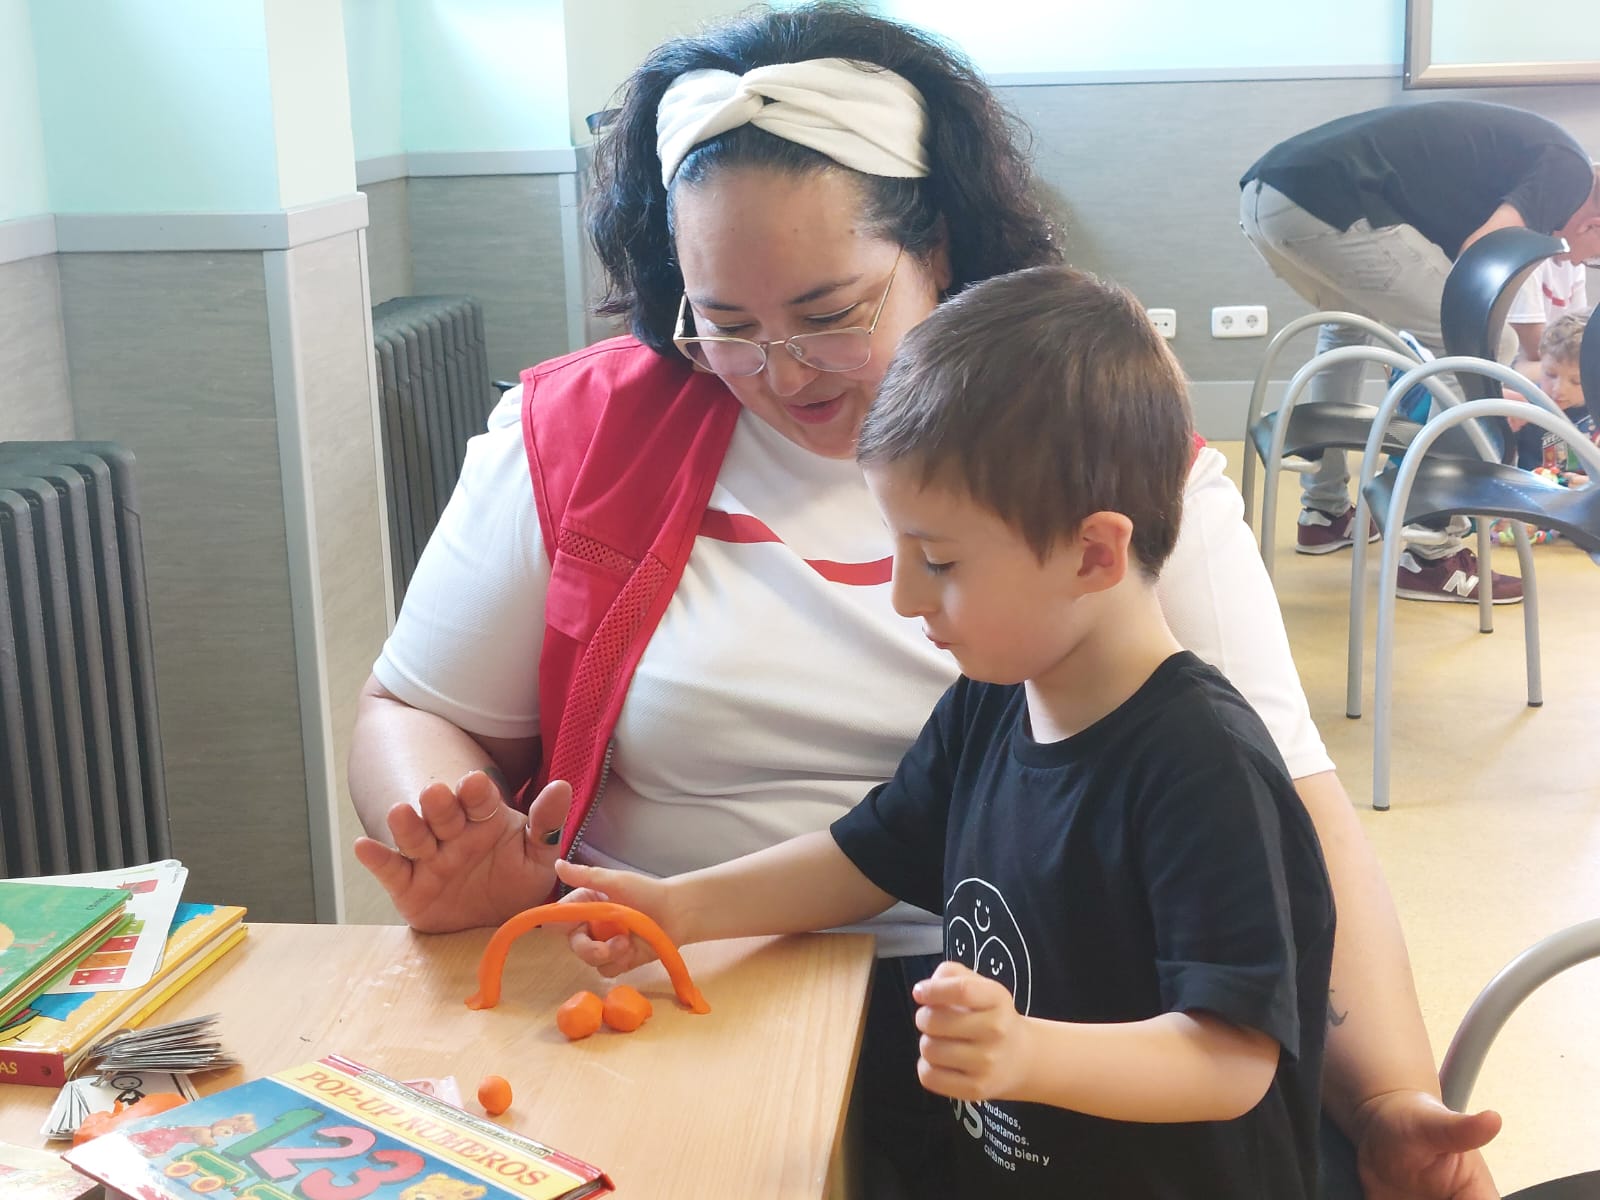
<point x="43" y="1043"/>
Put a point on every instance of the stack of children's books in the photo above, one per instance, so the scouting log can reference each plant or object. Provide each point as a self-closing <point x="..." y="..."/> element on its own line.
<point x="329" y="1128"/>
<point x="44" y="932"/>
<point x="112" y="982"/>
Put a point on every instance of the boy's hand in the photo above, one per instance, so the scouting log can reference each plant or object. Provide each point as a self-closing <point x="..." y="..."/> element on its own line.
<point x="622" y="952"/>
<point x="973" y="1038"/>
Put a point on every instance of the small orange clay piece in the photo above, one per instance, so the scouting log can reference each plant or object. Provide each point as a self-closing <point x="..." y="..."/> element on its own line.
<point x="494" y="1093"/>
<point x="625" y="1008"/>
<point x="97" y="1123"/>
<point x="493" y="962"/>
<point x="579" y="1016"/>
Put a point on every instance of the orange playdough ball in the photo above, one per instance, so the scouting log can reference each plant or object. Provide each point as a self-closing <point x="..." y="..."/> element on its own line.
<point x="625" y="1008"/>
<point x="579" y="1016"/>
<point x="494" y="1093"/>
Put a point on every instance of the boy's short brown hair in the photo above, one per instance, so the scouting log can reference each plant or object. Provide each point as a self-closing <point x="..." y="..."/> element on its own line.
<point x="1046" y="395"/>
<point x="1562" y="339"/>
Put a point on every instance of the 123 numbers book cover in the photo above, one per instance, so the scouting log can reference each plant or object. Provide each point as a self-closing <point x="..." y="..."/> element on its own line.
<point x="329" y="1130"/>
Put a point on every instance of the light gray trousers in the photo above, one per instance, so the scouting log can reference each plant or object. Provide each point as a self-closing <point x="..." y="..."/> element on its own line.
<point x="1393" y="275"/>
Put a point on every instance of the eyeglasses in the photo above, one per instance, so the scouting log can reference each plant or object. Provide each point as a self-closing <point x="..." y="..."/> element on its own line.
<point x="827" y="350"/>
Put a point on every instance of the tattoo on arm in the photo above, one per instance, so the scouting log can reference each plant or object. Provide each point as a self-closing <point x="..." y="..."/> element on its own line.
<point x="1335" y="1017"/>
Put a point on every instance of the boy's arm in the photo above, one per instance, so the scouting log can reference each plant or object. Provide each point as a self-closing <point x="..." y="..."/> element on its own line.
<point x="799" y="885"/>
<point x="796" y="886"/>
<point x="1169" y="1068"/>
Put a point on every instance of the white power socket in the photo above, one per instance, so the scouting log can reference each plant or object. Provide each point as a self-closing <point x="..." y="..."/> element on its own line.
<point x="1239" y="321"/>
<point x="1165" y="320"/>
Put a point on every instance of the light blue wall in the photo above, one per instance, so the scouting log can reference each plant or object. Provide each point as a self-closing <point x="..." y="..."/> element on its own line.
<point x="1012" y="36"/>
<point x="24" y="186"/>
<point x="483" y="75"/>
<point x="155" y="105"/>
<point x="372" y="46"/>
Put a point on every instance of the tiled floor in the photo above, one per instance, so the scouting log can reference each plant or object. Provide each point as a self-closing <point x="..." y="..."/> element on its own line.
<point x="1493" y="839"/>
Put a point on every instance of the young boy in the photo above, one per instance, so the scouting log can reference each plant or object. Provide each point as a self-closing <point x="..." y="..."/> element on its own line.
<point x="1559" y="350"/>
<point x="1138" y="925"/>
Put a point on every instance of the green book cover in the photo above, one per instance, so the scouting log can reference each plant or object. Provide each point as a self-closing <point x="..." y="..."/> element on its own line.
<point x="39" y="924"/>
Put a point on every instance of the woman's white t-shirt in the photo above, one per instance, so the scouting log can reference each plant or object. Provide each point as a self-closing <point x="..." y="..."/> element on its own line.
<point x="780" y="685"/>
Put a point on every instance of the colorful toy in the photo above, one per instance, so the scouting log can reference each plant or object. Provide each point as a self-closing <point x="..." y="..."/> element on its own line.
<point x="1537" y="537"/>
<point x="494" y="1093"/>
<point x="594" y="912"/>
<point x="625" y="1008"/>
<point x="580" y="1016"/>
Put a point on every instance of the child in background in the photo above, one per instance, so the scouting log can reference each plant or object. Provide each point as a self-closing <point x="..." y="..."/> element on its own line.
<point x="1558" y="361"/>
<point x="1556" y="287"/>
<point x="1138" y="925"/>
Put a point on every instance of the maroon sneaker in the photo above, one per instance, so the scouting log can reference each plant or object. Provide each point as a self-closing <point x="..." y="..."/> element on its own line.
<point x="1453" y="578"/>
<point x="1318" y="533"/>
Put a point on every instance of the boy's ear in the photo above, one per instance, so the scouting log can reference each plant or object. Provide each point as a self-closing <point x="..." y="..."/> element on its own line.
<point x="1103" y="550"/>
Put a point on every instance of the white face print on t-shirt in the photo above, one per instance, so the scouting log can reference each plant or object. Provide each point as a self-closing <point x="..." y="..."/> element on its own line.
<point x="981" y="933"/>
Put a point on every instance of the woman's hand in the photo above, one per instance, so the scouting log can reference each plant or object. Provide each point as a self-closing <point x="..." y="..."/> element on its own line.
<point x="1411" y="1147"/>
<point x="462" y="858"/>
<point x="613" y="952"/>
<point x="973" y="1043"/>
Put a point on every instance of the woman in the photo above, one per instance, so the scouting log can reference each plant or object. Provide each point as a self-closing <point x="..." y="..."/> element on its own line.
<point x="811" y="183"/>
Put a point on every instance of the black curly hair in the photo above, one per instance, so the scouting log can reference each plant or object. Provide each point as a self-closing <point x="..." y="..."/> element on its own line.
<point x="979" y="190"/>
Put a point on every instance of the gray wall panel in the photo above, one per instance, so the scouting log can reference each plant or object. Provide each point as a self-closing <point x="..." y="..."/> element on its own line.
<point x="169" y="355"/>
<point x="389" y="239"/>
<point x="330" y="335"/>
<point x="35" y="395"/>
<point x="1146" y="178"/>
<point x="498" y="238"/>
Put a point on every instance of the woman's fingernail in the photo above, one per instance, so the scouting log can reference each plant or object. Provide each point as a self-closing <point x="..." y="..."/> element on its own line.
<point x="553" y="837"/>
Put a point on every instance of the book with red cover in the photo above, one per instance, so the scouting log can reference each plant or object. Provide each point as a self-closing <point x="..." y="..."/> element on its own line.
<point x="325" y="1129"/>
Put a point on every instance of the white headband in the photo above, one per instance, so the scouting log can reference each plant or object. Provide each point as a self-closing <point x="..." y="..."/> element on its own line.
<point x="859" y="115"/>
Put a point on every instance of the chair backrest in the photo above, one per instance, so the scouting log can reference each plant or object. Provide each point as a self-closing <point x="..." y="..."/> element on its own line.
<point x="1506" y="991"/>
<point x="1478" y="293"/>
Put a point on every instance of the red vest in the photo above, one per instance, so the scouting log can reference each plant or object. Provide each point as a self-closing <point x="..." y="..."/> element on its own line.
<point x="623" y="447"/>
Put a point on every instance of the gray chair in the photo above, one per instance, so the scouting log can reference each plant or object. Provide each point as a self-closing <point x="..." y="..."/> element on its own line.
<point x="1428" y="487"/>
<point x="1518" y="980"/>
<point x="1295" y="430"/>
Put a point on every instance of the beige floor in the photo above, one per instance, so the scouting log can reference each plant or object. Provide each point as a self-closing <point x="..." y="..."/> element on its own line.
<point x="1493" y="839"/>
<point x="1494" y="835"/>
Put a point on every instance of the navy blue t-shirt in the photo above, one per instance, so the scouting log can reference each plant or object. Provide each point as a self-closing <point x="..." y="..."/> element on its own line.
<point x="1442" y="167"/>
<point x="1158" y="861"/>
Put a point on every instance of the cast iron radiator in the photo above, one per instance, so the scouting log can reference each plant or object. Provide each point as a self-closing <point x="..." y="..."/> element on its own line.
<point x="81" y="780"/>
<point x="434" y="394"/>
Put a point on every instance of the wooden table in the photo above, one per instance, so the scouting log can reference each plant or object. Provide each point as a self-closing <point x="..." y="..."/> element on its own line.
<point x="747" y="1101"/>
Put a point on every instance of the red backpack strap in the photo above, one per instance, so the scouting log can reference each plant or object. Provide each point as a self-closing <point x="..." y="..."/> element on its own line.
<point x="624" y="447"/>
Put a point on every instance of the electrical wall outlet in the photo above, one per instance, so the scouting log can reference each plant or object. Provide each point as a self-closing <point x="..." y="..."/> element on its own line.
<point x="1239" y="321"/>
<point x="1165" y="320"/>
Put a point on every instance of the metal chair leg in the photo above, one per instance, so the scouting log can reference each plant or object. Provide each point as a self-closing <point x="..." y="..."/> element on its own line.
<point x="1530" y="615"/>
<point x="1485" y="577"/>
